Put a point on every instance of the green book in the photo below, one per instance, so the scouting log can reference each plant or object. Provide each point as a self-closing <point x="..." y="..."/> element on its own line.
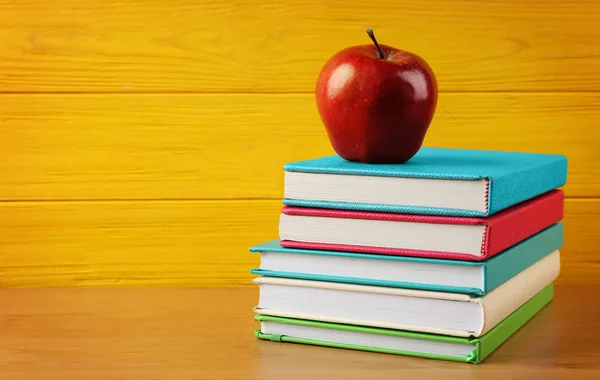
<point x="468" y="350"/>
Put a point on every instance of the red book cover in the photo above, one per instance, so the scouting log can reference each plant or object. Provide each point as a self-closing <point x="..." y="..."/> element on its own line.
<point x="499" y="232"/>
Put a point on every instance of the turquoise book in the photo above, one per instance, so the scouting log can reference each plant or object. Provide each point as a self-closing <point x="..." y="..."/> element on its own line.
<point x="436" y="181"/>
<point x="456" y="276"/>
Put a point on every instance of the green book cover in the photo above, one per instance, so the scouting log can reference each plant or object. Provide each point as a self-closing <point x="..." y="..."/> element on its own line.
<point x="477" y="349"/>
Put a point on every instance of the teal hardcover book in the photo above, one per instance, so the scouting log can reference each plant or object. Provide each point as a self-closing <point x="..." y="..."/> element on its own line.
<point x="436" y="181"/>
<point x="454" y="276"/>
<point x="400" y="342"/>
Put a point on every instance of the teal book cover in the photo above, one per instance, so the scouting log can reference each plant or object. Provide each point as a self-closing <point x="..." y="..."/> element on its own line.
<point x="507" y="178"/>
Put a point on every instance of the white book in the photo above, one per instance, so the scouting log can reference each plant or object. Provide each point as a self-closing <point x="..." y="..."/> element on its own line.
<point x="467" y="239"/>
<point x="364" y="339"/>
<point x="404" y="309"/>
<point x="361" y="189"/>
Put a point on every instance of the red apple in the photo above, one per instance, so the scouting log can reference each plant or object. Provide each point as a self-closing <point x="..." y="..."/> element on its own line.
<point x="376" y="102"/>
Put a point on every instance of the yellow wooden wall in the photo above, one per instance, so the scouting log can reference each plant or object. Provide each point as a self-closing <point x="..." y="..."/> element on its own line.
<point x="142" y="141"/>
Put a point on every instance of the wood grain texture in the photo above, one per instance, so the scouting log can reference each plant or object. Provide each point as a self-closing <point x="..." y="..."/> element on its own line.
<point x="278" y="46"/>
<point x="186" y="243"/>
<point x="177" y="334"/>
<point x="226" y="146"/>
<point x="142" y="140"/>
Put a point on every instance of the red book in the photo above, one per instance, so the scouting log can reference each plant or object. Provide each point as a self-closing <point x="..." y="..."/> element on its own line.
<point x="457" y="238"/>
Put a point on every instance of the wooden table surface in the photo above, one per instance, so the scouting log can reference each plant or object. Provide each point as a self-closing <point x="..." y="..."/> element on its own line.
<point x="207" y="333"/>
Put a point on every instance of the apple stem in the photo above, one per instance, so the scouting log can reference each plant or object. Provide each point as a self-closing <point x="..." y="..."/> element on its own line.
<point x="379" y="52"/>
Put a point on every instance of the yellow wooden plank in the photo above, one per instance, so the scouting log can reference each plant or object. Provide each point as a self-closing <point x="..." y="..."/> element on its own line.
<point x="79" y="243"/>
<point x="225" y="146"/>
<point x="185" y="242"/>
<point x="280" y="46"/>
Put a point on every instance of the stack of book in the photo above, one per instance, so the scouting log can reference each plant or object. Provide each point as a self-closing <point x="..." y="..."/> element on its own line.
<point x="445" y="256"/>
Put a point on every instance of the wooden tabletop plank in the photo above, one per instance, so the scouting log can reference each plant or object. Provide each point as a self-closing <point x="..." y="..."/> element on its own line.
<point x="173" y="333"/>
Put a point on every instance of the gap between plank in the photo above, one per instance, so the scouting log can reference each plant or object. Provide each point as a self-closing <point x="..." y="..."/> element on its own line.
<point x="179" y="92"/>
<point x="109" y="200"/>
